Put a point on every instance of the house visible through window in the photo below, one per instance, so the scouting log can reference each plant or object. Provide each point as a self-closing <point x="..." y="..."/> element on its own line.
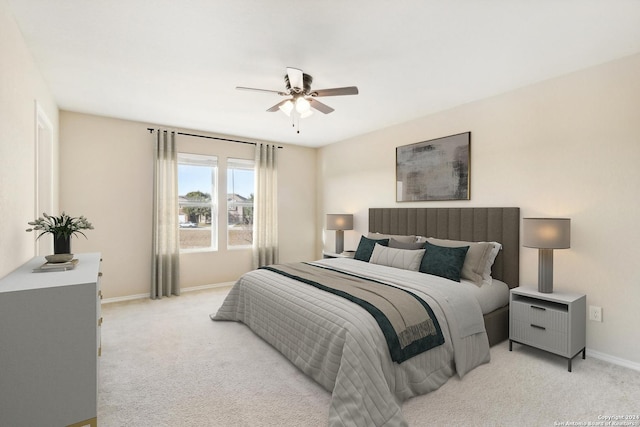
<point x="197" y="202"/>
<point x="240" y="193"/>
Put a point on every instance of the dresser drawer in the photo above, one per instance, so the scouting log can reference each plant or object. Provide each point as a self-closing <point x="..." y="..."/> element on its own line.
<point x="539" y="336"/>
<point x="548" y="316"/>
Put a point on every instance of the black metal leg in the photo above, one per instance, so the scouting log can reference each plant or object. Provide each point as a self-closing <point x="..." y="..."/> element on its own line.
<point x="510" y="345"/>
<point x="584" y="353"/>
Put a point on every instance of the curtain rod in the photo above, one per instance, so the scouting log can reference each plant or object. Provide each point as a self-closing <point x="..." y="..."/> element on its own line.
<point x="211" y="137"/>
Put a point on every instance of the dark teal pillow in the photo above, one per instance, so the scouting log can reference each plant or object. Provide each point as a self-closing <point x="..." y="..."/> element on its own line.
<point x="365" y="248"/>
<point x="443" y="262"/>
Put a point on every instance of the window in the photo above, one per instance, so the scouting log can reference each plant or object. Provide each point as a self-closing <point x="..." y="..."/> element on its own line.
<point x="240" y="182"/>
<point x="197" y="202"/>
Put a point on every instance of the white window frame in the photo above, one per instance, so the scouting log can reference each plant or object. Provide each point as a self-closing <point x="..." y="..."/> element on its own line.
<point x="246" y="164"/>
<point x="213" y="162"/>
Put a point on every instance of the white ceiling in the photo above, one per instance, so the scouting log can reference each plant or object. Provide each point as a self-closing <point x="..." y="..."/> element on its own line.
<point x="177" y="63"/>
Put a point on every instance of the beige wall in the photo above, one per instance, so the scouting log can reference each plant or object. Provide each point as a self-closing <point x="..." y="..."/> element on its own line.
<point x="21" y="86"/>
<point x="565" y="147"/>
<point x="107" y="175"/>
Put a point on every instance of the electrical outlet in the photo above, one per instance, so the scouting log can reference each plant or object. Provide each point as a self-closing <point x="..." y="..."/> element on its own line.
<point x="595" y="313"/>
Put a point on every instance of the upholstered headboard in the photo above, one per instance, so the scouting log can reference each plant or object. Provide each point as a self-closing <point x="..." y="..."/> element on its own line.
<point x="471" y="224"/>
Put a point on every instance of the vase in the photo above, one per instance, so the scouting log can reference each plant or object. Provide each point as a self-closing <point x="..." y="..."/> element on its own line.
<point x="61" y="244"/>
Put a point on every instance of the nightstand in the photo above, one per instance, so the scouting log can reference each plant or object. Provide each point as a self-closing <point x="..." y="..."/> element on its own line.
<point x="552" y="322"/>
<point x="345" y="254"/>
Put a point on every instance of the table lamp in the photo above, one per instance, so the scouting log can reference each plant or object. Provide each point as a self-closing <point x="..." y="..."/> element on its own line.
<point x="546" y="234"/>
<point x="339" y="222"/>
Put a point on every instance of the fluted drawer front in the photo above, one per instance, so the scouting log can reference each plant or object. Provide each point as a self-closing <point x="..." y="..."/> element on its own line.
<point x="533" y="334"/>
<point x="548" y="318"/>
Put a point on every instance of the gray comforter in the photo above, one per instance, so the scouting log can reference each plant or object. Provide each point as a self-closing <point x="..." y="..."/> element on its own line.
<point x="340" y="345"/>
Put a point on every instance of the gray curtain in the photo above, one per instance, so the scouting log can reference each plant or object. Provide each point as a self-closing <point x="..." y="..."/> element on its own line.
<point x="265" y="217"/>
<point x="165" y="277"/>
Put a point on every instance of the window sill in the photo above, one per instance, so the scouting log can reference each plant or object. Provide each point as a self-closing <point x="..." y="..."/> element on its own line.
<point x="197" y="251"/>
<point x="239" y="248"/>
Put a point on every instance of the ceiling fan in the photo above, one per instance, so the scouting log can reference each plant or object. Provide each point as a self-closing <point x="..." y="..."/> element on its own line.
<point x="300" y="97"/>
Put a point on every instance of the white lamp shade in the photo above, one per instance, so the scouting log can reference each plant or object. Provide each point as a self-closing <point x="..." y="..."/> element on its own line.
<point x="286" y="108"/>
<point x="302" y="105"/>
<point x="339" y="222"/>
<point x="546" y="233"/>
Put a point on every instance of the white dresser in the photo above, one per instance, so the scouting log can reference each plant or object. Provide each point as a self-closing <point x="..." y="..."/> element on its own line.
<point x="49" y="345"/>
<point x="552" y="322"/>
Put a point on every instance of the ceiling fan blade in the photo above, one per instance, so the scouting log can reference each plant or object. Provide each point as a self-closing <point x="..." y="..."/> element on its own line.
<point x="277" y="106"/>
<point x="295" y="78"/>
<point x="279" y="92"/>
<point x="337" y="91"/>
<point x="323" y="108"/>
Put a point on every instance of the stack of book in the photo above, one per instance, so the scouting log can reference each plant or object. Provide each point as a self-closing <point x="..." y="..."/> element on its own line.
<point x="57" y="266"/>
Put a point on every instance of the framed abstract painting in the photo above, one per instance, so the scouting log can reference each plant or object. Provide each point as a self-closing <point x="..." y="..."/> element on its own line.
<point x="437" y="169"/>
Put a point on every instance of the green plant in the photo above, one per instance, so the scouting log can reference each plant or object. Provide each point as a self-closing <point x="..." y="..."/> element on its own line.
<point x="60" y="226"/>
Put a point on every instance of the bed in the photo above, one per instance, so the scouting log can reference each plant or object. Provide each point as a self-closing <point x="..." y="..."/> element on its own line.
<point x="467" y="224"/>
<point x="340" y="345"/>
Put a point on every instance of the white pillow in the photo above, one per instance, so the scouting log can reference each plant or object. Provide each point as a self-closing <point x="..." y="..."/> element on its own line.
<point x="398" y="258"/>
<point x="486" y="274"/>
<point x="479" y="259"/>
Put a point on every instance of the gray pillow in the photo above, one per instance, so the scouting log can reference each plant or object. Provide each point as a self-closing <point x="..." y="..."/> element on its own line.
<point x="398" y="237"/>
<point x="393" y="243"/>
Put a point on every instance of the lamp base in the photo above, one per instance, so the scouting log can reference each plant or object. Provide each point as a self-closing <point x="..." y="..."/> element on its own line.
<point x="545" y="271"/>
<point x="339" y="241"/>
<point x="545" y="289"/>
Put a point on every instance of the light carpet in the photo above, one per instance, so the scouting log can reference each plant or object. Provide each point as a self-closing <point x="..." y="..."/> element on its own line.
<point x="165" y="363"/>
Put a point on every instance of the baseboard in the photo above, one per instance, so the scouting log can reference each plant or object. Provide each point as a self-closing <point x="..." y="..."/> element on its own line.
<point x="123" y="299"/>
<point x="183" y="290"/>
<point x="613" y="359"/>
<point x="211" y="286"/>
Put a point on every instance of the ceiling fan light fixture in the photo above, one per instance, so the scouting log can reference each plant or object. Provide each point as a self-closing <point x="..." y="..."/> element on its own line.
<point x="298" y="90"/>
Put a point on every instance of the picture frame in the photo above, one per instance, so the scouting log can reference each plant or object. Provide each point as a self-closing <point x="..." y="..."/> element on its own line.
<point x="437" y="169"/>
